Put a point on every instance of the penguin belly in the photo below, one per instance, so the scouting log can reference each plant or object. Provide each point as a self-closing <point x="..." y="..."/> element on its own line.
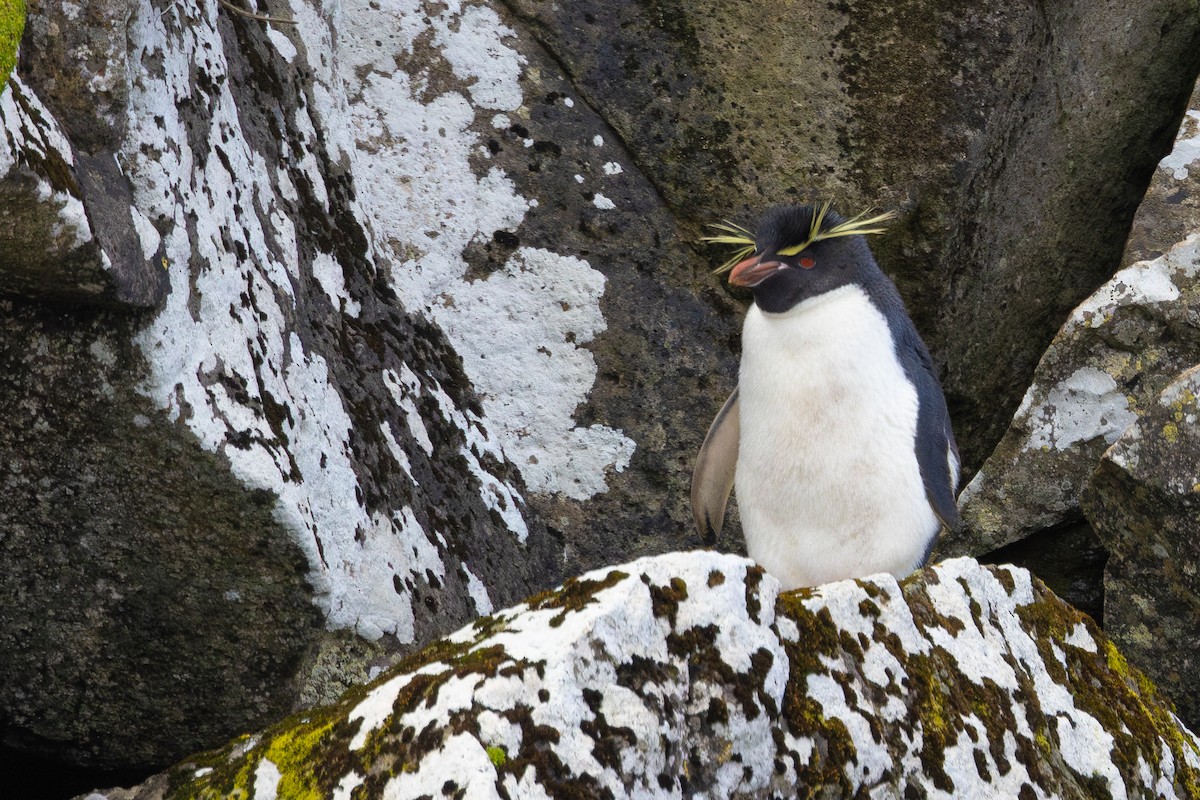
<point x="827" y="479"/>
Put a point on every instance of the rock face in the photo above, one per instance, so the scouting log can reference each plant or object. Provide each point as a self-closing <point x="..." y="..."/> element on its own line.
<point x="1099" y="387"/>
<point x="688" y="675"/>
<point x="1015" y="139"/>
<point x="1109" y="363"/>
<point x="1144" y="501"/>
<point x="347" y="326"/>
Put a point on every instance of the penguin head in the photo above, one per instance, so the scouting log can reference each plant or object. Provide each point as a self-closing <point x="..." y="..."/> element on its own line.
<point x="800" y="252"/>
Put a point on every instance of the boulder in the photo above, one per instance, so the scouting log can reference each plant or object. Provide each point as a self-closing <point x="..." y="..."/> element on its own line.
<point x="1016" y="140"/>
<point x="1110" y="359"/>
<point x="1144" y="502"/>
<point x="1113" y="357"/>
<point x="1171" y="208"/>
<point x="690" y="675"/>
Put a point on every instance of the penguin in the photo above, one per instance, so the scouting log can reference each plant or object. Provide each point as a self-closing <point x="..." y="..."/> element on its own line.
<point x="836" y="440"/>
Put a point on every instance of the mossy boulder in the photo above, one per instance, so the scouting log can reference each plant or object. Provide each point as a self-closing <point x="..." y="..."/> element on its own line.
<point x="690" y="675"/>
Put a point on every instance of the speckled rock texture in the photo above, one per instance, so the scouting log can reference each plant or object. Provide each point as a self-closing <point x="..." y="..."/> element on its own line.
<point x="1112" y="358"/>
<point x="1144" y="501"/>
<point x="1171" y="208"/>
<point x="688" y="675"/>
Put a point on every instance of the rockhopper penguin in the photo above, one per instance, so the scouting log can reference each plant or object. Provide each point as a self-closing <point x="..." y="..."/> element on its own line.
<point x="837" y="435"/>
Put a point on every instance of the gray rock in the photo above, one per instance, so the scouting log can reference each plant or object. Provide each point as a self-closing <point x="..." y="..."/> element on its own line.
<point x="1144" y="501"/>
<point x="689" y="675"/>
<point x="1108" y="361"/>
<point x="1115" y="354"/>
<point x="1171" y="208"/>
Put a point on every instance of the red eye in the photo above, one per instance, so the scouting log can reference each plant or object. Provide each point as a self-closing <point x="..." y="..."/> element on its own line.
<point x="807" y="263"/>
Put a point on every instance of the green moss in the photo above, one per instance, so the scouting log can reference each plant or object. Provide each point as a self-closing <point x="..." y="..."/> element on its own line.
<point x="12" y="25"/>
<point x="497" y="756"/>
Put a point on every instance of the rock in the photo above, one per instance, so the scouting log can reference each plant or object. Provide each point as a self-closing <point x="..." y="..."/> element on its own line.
<point x="1016" y="140"/>
<point x="373" y="356"/>
<point x="1113" y="356"/>
<point x="1171" y="208"/>
<point x="1144" y="502"/>
<point x="689" y="675"/>
<point x="1110" y="359"/>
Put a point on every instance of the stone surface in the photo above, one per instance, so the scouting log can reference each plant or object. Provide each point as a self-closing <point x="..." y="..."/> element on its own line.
<point x="688" y="675"/>
<point x="1171" y="208"/>
<point x="1016" y="140"/>
<point x="147" y="603"/>
<point x="410" y="290"/>
<point x="1144" y="501"/>
<point x="1114" y="355"/>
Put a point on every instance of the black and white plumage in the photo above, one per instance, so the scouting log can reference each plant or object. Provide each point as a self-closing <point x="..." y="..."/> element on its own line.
<point x="837" y="437"/>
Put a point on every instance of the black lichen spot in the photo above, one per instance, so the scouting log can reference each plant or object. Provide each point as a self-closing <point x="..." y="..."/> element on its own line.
<point x="506" y="239"/>
<point x="715" y="578"/>
<point x="717" y="713"/>
<point x="753" y="581"/>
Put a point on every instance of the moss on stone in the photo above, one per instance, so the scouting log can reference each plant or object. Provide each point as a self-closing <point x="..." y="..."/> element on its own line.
<point x="497" y="756"/>
<point x="12" y="25"/>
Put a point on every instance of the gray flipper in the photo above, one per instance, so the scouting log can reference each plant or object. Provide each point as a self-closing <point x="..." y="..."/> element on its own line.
<point x="712" y="480"/>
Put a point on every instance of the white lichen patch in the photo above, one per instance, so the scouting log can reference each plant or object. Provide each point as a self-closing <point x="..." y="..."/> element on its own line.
<point x="478" y="593"/>
<point x="1086" y="405"/>
<point x="426" y="204"/>
<point x="519" y="332"/>
<point x="266" y="780"/>
<point x="29" y="132"/>
<point x="222" y="347"/>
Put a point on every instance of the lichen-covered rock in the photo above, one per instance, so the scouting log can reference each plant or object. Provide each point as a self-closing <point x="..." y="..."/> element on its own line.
<point x="408" y="299"/>
<point x="1144" y="501"/>
<point x="1113" y="356"/>
<point x="1109" y="360"/>
<point x="1171" y="208"/>
<point x="688" y="675"/>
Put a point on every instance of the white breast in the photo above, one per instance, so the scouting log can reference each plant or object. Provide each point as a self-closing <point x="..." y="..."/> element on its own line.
<point x="827" y="478"/>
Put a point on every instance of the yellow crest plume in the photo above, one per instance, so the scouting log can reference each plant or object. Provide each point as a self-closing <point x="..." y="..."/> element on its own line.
<point x="858" y="225"/>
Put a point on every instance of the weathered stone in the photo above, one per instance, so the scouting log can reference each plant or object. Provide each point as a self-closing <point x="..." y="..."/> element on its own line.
<point x="688" y="675"/>
<point x="1017" y="140"/>
<point x="1144" y="502"/>
<point x="1115" y="354"/>
<point x="1023" y="507"/>
<point x="1171" y="208"/>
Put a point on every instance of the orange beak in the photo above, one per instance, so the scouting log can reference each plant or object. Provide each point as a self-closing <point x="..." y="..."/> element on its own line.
<point x="753" y="271"/>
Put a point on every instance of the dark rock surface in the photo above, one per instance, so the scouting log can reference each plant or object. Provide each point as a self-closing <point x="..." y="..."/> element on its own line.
<point x="1016" y="140"/>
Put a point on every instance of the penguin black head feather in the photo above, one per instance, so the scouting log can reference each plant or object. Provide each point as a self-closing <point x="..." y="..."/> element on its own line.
<point x="799" y="252"/>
